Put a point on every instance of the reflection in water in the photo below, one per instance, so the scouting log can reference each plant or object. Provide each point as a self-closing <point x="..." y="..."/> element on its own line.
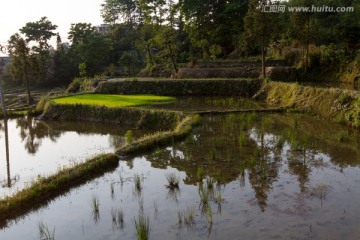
<point x="257" y="148"/>
<point x="30" y="148"/>
<point x="263" y="177"/>
<point x="32" y="131"/>
<point x="10" y="180"/>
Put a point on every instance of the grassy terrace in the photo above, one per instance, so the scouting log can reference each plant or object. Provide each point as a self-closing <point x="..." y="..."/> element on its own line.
<point x="113" y="100"/>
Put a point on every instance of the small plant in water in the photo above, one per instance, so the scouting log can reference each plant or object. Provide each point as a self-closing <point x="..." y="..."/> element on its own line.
<point x="173" y="180"/>
<point x="200" y="173"/>
<point x="95" y="203"/>
<point x="44" y="232"/>
<point x="210" y="183"/>
<point x="137" y="180"/>
<point x="112" y="190"/>
<point x="204" y="196"/>
<point x="189" y="215"/>
<point x="142" y="227"/>
<point x="117" y="217"/>
<point x="129" y="137"/>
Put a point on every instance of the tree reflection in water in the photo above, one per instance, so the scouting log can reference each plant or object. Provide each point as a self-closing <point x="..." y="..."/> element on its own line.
<point x="32" y="132"/>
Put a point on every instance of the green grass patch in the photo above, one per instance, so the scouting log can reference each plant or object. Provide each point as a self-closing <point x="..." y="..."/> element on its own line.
<point x="113" y="100"/>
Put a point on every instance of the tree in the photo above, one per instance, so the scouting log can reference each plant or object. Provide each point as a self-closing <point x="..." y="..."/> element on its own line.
<point x="214" y="23"/>
<point x="89" y="47"/>
<point x="116" y="11"/>
<point x="261" y="28"/>
<point x="40" y="32"/>
<point x="20" y="54"/>
<point x="300" y="25"/>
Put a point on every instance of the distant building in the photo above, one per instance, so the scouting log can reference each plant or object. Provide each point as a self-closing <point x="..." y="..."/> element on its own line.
<point x="3" y="62"/>
<point x="103" y="28"/>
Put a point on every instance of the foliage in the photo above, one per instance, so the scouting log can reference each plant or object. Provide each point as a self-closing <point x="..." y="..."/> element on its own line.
<point x="181" y="87"/>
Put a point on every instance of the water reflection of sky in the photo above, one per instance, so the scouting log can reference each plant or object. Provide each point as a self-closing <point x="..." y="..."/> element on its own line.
<point x="37" y="149"/>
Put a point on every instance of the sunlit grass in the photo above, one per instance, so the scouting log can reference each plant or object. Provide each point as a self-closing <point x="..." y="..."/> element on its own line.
<point x="108" y="100"/>
<point x="142" y="227"/>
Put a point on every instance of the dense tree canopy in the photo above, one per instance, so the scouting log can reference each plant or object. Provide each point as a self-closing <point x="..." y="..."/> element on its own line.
<point x="155" y="37"/>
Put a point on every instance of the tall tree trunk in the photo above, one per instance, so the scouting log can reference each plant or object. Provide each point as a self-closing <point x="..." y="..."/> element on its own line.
<point x="173" y="59"/>
<point x="149" y="53"/>
<point x="30" y="99"/>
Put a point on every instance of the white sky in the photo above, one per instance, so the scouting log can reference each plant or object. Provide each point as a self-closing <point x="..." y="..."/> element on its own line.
<point x="14" y="14"/>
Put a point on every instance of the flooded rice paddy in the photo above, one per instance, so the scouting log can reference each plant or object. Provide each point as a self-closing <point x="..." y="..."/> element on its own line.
<point x="241" y="176"/>
<point x="37" y="148"/>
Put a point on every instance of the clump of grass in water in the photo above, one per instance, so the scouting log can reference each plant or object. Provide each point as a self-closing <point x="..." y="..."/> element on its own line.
<point x="112" y="190"/>
<point x="204" y="196"/>
<point x="179" y="217"/>
<point x="189" y="216"/>
<point x="173" y="180"/>
<point x="95" y="208"/>
<point x="210" y="183"/>
<point x="117" y="217"/>
<point x="95" y="203"/>
<point x="137" y="180"/>
<point x="200" y="173"/>
<point x="209" y="215"/>
<point x="44" y="232"/>
<point x="129" y="137"/>
<point x="142" y="227"/>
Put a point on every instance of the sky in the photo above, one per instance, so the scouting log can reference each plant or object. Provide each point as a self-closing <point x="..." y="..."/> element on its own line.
<point x="14" y="14"/>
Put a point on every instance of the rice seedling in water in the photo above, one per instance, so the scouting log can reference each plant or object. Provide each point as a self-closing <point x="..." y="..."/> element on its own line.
<point x="142" y="227"/>
<point x="121" y="178"/>
<point x="210" y="183"/>
<point x="95" y="203"/>
<point x="200" y="173"/>
<point x="44" y="232"/>
<point x="129" y="137"/>
<point x="320" y="191"/>
<point x="209" y="215"/>
<point x="173" y="180"/>
<point x="95" y="208"/>
<point x="189" y="215"/>
<point x="218" y="200"/>
<point x="137" y="181"/>
<point x="117" y="217"/>
<point x="156" y="208"/>
<point x="179" y="217"/>
<point x="204" y="197"/>
<point x="112" y="190"/>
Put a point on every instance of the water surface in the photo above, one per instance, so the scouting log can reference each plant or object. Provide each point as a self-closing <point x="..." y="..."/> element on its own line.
<point x="275" y="177"/>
